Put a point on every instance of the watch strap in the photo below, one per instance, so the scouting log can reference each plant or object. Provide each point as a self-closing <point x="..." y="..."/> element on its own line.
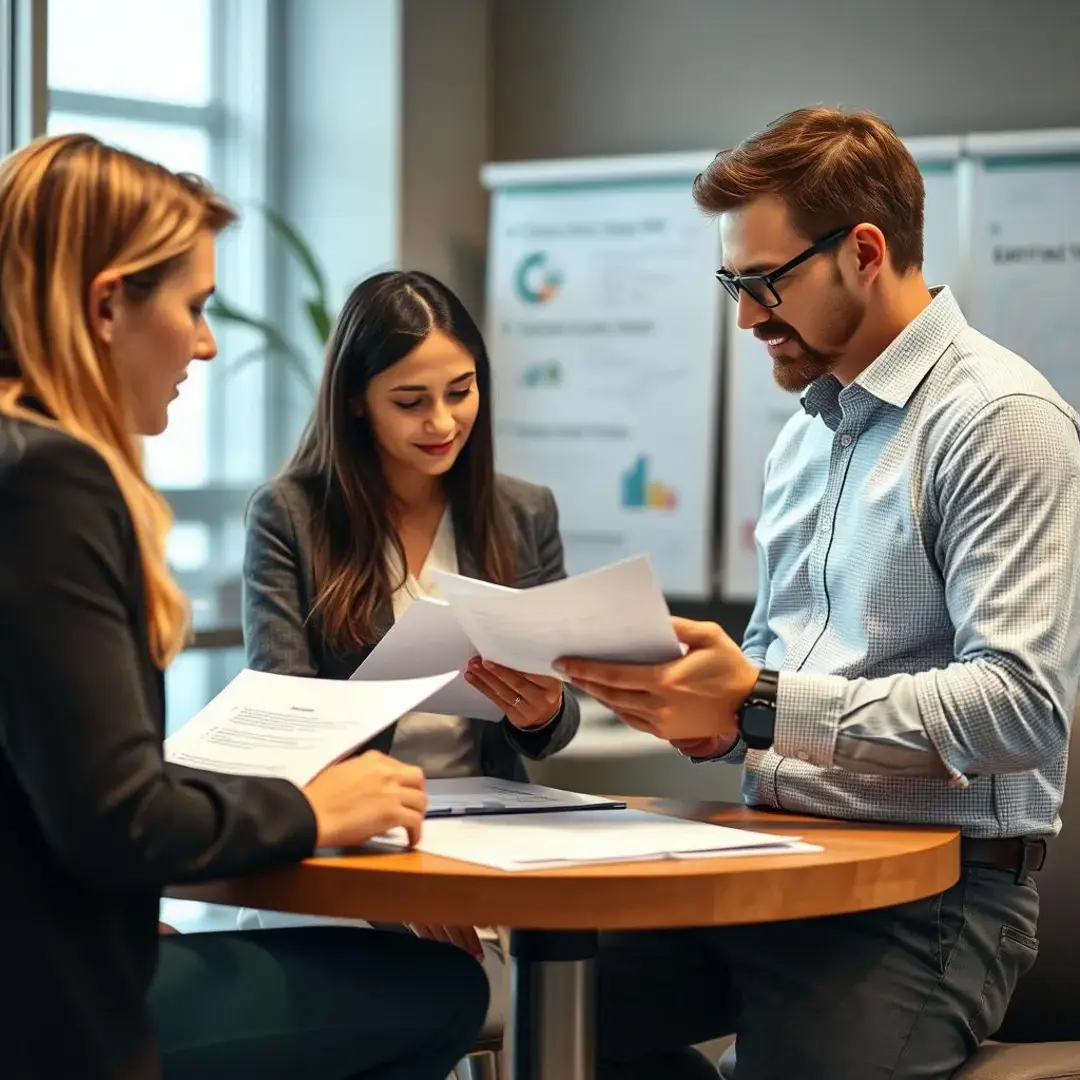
<point x="765" y="690"/>
<point x="757" y="714"/>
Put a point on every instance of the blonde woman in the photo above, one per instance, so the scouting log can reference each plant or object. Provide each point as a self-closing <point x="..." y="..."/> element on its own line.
<point x="106" y="264"/>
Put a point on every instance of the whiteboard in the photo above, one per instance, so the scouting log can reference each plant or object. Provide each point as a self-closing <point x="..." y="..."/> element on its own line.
<point x="603" y="326"/>
<point x="1025" y="259"/>
<point x="757" y="408"/>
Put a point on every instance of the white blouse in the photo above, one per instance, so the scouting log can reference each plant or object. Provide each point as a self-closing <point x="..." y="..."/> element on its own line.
<point x="443" y="746"/>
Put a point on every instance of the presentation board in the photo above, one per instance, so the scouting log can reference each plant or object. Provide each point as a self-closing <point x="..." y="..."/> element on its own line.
<point x="756" y="408"/>
<point x="603" y="326"/>
<point x="1025" y="250"/>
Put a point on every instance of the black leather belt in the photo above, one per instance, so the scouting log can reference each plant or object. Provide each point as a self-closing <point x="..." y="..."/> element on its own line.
<point x="1019" y="855"/>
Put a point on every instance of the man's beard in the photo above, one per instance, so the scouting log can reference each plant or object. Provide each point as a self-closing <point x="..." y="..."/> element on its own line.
<point x="797" y="372"/>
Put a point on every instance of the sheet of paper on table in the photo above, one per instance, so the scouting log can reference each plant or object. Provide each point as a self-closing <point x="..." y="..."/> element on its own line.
<point x="285" y="726"/>
<point x="550" y="841"/>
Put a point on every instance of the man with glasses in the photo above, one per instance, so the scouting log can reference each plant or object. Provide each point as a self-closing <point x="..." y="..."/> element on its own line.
<point x="914" y="651"/>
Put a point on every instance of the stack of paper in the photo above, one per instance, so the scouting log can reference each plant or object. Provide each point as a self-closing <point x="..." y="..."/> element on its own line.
<point x="289" y="727"/>
<point x="471" y="795"/>
<point x="616" y="613"/>
<point x="550" y="841"/>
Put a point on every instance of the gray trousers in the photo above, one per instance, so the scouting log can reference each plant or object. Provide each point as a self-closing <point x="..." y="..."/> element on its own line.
<point x="894" y="994"/>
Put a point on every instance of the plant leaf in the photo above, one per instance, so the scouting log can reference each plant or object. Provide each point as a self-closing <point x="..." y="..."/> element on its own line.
<point x="220" y="308"/>
<point x="320" y="319"/>
<point x="301" y="249"/>
<point x="246" y="358"/>
<point x="264" y="351"/>
<point x="275" y="341"/>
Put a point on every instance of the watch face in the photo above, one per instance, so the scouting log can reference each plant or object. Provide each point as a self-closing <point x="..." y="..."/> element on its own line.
<point x="758" y="723"/>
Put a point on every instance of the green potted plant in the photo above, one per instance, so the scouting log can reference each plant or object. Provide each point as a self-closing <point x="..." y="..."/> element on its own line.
<point x="316" y="306"/>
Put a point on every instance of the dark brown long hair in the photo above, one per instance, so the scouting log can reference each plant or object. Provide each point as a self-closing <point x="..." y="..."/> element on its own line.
<point x="383" y="320"/>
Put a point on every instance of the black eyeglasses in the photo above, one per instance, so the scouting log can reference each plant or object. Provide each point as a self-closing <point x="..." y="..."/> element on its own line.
<point x="760" y="287"/>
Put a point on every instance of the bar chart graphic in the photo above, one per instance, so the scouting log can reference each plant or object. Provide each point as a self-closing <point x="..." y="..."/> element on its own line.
<point x="642" y="492"/>
<point x="544" y="373"/>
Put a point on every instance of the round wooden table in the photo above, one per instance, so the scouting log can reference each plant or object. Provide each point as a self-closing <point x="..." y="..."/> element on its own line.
<point x="555" y="914"/>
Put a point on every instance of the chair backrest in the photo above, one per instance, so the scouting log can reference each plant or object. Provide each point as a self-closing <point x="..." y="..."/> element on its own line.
<point x="1046" y="1005"/>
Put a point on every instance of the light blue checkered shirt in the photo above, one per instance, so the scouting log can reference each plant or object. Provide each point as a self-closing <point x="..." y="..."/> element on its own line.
<point x="919" y="586"/>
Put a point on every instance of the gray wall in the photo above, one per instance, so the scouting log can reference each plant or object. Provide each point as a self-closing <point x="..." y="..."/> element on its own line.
<point x="579" y="77"/>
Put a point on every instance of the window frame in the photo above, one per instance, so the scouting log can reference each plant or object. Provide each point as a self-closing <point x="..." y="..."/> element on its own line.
<point x="24" y="95"/>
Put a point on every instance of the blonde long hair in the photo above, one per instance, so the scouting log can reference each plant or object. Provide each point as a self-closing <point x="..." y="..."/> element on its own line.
<point x="71" y="209"/>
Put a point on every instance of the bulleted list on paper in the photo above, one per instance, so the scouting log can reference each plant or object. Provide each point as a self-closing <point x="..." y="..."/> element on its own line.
<point x="290" y="727"/>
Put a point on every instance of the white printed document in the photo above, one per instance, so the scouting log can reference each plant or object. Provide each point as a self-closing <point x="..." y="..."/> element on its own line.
<point x="428" y="640"/>
<point x="471" y="795"/>
<point x="290" y="727"/>
<point x="616" y="613"/>
<point x="550" y="841"/>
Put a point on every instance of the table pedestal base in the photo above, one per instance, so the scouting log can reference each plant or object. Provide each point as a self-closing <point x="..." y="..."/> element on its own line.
<point x="552" y="1033"/>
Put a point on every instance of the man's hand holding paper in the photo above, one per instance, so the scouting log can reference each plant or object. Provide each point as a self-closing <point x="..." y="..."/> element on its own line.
<point x="691" y="702"/>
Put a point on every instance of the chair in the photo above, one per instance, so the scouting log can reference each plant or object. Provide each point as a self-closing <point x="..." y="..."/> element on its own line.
<point x="1040" y="1037"/>
<point x="482" y="1062"/>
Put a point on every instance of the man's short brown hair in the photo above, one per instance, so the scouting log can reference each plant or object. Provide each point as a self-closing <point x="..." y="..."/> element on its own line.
<point x="832" y="169"/>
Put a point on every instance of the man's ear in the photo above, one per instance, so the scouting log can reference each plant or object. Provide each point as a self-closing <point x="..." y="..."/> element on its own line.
<point x="104" y="302"/>
<point x="870" y="249"/>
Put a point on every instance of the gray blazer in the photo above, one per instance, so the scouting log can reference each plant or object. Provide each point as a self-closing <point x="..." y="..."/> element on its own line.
<point x="279" y="589"/>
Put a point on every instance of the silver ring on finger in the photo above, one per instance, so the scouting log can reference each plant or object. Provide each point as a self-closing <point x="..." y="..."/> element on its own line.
<point x="517" y="702"/>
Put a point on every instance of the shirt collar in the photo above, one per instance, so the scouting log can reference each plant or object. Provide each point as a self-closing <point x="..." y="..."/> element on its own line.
<point x="822" y="398"/>
<point x="896" y="374"/>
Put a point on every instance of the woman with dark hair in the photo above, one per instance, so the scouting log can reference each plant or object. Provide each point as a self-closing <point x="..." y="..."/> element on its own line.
<point x="393" y="478"/>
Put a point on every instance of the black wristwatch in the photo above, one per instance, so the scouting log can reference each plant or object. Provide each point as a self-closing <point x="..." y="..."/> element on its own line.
<point x="757" y="714"/>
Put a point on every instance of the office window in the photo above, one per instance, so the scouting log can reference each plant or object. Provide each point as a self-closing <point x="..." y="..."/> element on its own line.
<point x="155" y="51"/>
<point x="177" y="146"/>
<point x="144" y="83"/>
<point x="185" y="84"/>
